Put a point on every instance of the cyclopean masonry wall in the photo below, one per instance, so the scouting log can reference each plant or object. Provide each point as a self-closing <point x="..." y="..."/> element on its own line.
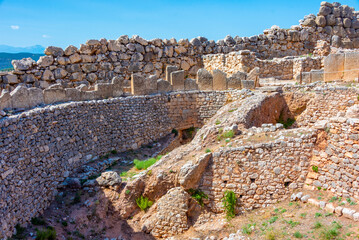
<point x="101" y="60"/>
<point x="41" y="147"/>
<point x="245" y="61"/>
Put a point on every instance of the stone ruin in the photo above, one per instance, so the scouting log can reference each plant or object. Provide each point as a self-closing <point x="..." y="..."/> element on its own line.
<point x="125" y="93"/>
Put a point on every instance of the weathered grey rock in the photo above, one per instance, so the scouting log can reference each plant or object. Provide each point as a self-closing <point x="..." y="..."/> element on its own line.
<point x="60" y="73"/>
<point x="104" y="90"/>
<point x="191" y="173"/>
<point x="248" y="84"/>
<point x="11" y="79"/>
<point x="73" y="183"/>
<point x="54" y="51"/>
<point x="138" y="84"/>
<point x="348" y="213"/>
<point x="324" y="10"/>
<point x="54" y="95"/>
<point x="305" y="198"/>
<point x="70" y="50"/>
<point x="151" y="84"/>
<point x="190" y="84"/>
<point x="75" y="58"/>
<point x="234" y="82"/>
<point x="321" y="21"/>
<point x="204" y="79"/>
<point x="169" y="70"/>
<point x="163" y="86"/>
<point x="140" y="40"/>
<point x="23" y="64"/>
<point x="45" y="61"/>
<point x="219" y="80"/>
<point x="5" y="100"/>
<point x="177" y="80"/>
<point x="48" y="76"/>
<point x="330" y="20"/>
<point x="109" y="179"/>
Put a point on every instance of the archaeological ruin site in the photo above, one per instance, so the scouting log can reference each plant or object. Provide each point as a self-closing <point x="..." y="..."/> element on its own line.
<point x="243" y="138"/>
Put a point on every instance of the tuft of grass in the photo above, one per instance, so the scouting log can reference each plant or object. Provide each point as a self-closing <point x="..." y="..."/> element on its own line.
<point x="229" y="203"/>
<point x="292" y="223"/>
<point x="232" y="110"/>
<point x="271" y="235"/>
<point x="198" y="195"/>
<point x="273" y="219"/>
<point x="207" y="150"/>
<point x="143" y="203"/>
<point x="226" y="134"/>
<point x="332" y="232"/>
<point x="315" y="168"/>
<point x="298" y="235"/>
<point x="143" y="165"/>
<point x="248" y="228"/>
<point x="128" y="191"/>
<point x="318" y="214"/>
<point x="317" y="225"/>
<point x="303" y="215"/>
<point x="217" y="122"/>
<point x="48" y="234"/>
<point x="333" y="199"/>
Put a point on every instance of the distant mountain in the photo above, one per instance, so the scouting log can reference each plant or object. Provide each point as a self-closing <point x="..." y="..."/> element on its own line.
<point x="31" y="49"/>
<point x="6" y="58"/>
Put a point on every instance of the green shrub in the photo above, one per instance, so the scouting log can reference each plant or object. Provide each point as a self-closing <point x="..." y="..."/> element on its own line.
<point x="113" y="151"/>
<point x="175" y="131"/>
<point x="273" y="219"/>
<point x="286" y="123"/>
<point x="37" y="221"/>
<point x="298" y="235"/>
<point x="143" y="203"/>
<point x="229" y="203"/>
<point x="20" y="232"/>
<point x="143" y="165"/>
<point x="198" y="195"/>
<point x="315" y="169"/>
<point x="48" y="234"/>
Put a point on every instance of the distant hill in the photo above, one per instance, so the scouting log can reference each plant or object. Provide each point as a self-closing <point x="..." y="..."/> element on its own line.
<point x="31" y="49"/>
<point x="6" y="58"/>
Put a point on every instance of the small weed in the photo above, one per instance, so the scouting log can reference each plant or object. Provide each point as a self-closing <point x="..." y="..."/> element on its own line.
<point x="207" y="150"/>
<point x="175" y="132"/>
<point x="292" y="223"/>
<point x="143" y="203"/>
<point x="229" y="203"/>
<point x="315" y="169"/>
<point x="217" y="122"/>
<point x="20" y="232"/>
<point x="298" y="235"/>
<point x="232" y="110"/>
<point x="225" y="135"/>
<point x="128" y="191"/>
<point x="303" y="215"/>
<point x="318" y="215"/>
<point x="319" y="198"/>
<point x="248" y="229"/>
<point x="328" y="214"/>
<point x="198" y="195"/>
<point x="332" y="232"/>
<point x="273" y="219"/>
<point x="319" y="188"/>
<point x="64" y="223"/>
<point x="317" y="225"/>
<point x="271" y="235"/>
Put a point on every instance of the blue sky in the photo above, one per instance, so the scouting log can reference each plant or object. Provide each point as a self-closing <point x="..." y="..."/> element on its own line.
<point x="65" y="22"/>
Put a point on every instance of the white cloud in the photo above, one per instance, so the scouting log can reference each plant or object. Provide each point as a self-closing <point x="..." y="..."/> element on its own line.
<point x="46" y="36"/>
<point x="15" y="27"/>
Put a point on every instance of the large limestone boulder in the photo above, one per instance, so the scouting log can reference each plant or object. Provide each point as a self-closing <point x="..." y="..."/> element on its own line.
<point x="45" y="61"/>
<point x="109" y="179"/>
<point x="204" y="79"/>
<point x="54" y="51"/>
<point x="191" y="173"/>
<point x="23" y="64"/>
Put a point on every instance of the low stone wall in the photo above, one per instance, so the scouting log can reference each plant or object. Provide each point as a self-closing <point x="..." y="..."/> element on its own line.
<point x="41" y="147"/>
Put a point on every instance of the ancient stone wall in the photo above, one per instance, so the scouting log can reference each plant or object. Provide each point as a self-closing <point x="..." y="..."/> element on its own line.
<point x="335" y="160"/>
<point x="41" y="147"/>
<point x="342" y="66"/>
<point x="260" y="173"/>
<point x="278" y="68"/>
<point x="101" y="60"/>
